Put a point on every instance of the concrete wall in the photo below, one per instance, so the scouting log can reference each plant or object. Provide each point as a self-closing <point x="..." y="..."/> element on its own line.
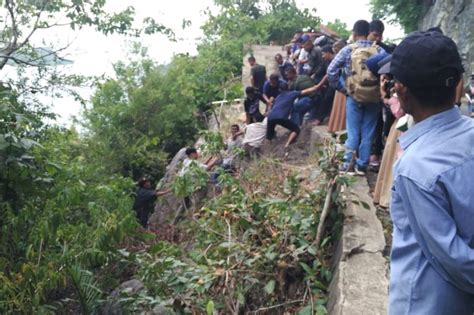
<point x="360" y="271"/>
<point x="360" y="282"/>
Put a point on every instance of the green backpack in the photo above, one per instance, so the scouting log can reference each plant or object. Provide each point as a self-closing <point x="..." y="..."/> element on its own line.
<point x="362" y="84"/>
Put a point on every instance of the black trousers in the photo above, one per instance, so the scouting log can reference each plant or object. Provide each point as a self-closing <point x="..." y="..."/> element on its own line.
<point x="142" y="215"/>
<point x="382" y="130"/>
<point x="286" y="123"/>
<point x="324" y="106"/>
<point x="256" y="117"/>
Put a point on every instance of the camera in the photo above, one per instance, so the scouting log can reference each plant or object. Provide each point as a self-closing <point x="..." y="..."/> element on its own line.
<point x="389" y="84"/>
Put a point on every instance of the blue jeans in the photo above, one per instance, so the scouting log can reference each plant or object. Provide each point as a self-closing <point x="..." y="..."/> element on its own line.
<point x="301" y="107"/>
<point x="361" y="122"/>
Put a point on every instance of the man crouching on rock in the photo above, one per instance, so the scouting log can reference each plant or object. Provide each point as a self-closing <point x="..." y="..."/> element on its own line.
<point x="281" y="111"/>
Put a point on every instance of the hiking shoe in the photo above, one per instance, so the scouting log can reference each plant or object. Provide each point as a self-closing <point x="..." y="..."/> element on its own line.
<point x="346" y="169"/>
<point x="359" y="171"/>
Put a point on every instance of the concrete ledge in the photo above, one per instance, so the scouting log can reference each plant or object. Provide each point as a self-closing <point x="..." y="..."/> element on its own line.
<point x="360" y="283"/>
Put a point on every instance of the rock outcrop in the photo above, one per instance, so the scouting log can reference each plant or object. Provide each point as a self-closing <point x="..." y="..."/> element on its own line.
<point x="456" y="19"/>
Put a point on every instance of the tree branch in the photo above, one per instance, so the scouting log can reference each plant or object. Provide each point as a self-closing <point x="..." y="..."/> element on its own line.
<point x="13" y="41"/>
<point x="9" y="4"/>
<point x="35" y="27"/>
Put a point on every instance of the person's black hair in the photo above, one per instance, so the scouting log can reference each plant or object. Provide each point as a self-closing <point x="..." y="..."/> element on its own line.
<point x="249" y="90"/>
<point x="290" y="70"/>
<point x="284" y="86"/>
<point x="190" y="151"/>
<point x="361" y="28"/>
<point x="142" y="181"/>
<point x="435" y="96"/>
<point x="278" y="56"/>
<point x="327" y="49"/>
<point x="235" y="125"/>
<point x="391" y="47"/>
<point x="341" y="42"/>
<point x="435" y="29"/>
<point x="322" y="41"/>
<point x="376" y="26"/>
<point x="274" y="77"/>
<point x="251" y="58"/>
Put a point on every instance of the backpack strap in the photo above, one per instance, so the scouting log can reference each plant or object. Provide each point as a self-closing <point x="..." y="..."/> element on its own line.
<point x="354" y="46"/>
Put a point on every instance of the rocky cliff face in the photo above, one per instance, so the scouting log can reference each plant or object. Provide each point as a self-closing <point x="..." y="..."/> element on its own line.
<point x="456" y="19"/>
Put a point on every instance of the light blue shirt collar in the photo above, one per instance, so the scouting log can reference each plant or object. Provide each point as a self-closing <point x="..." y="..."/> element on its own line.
<point x="435" y="121"/>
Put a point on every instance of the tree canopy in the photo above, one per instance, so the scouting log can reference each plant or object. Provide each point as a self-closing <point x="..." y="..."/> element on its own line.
<point x="406" y="12"/>
<point x="22" y="20"/>
<point x="66" y="195"/>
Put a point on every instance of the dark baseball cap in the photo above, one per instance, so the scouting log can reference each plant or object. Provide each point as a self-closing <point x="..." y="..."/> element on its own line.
<point x="384" y="65"/>
<point x="373" y="63"/>
<point x="426" y="59"/>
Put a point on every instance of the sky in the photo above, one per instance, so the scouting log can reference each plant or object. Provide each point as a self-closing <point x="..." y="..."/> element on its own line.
<point x="94" y="53"/>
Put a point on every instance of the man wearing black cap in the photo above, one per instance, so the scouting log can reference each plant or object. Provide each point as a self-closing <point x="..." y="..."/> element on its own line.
<point x="432" y="206"/>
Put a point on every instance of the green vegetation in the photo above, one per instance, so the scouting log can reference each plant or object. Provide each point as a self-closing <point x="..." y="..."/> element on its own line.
<point x="68" y="236"/>
<point x="405" y="12"/>
<point x="59" y="220"/>
<point x="341" y="28"/>
<point x="250" y="248"/>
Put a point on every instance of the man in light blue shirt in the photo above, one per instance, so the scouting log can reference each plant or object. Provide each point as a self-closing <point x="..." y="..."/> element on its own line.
<point x="432" y="207"/>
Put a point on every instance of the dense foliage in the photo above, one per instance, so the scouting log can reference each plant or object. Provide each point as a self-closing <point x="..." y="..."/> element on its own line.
<point x="61" y="215"/>
<point x="59" y="218"/>
<point x="65" y="197"/>
<point x="249" y="22"/>
<point x="248" y="249"/>
<point x="405" y="12"/>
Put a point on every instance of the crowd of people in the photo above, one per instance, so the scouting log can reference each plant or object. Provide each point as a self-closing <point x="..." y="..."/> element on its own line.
<point x="398" y="107"/>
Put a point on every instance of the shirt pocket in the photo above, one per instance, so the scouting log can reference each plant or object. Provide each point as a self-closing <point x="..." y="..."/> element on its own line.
<point x="397" y="211"/>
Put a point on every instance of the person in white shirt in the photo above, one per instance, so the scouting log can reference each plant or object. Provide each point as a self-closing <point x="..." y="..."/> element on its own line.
<point x="191" y="157"/>
<point x="233" y="143"/>
<point x="254" y="137"/>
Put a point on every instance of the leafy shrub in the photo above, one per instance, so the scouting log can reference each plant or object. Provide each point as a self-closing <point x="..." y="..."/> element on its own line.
<point x="66" y="215"/>
<point x="251" y="246"/>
